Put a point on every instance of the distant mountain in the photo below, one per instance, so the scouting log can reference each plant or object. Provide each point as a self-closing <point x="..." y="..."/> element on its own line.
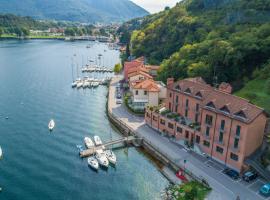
<point x="74" y="10"/>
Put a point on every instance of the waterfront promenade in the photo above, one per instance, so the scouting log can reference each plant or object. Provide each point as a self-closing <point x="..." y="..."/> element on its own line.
<point x="223" y="187"/>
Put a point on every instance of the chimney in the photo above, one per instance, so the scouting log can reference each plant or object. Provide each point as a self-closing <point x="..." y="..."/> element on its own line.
<point x="170" y="82"/>
<point x="225" y="87"/>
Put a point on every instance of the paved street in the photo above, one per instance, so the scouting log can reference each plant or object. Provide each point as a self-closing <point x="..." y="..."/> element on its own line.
<point x="224" y="188"/>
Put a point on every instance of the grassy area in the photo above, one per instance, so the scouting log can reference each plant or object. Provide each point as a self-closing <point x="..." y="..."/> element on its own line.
<point x="256" y="92"/>
<point x="190" y="191"/>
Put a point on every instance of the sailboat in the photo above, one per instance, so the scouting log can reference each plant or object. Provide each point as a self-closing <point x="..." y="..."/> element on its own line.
<point x="109" y="153"/>
<point x="1" y="153"/>
<point x="74" y="83"/>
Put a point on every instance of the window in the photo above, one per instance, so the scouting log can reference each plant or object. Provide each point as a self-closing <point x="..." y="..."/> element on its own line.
<point x="178" y="87"/>
<point x="154" y="118"/>
<point x="170" y="125"/>
<point x="187" y="134"/>
<point x="199" y="95"/>
<point x="234" y="157"/>
<point x="207" y="131"/>
<point x="170" y="95"/>
<point x="170" y="106"/>
<point x="186" y="113"/>
<point x="206" y="143"/>
<point x="238" y="130"/>
<point x="220" y="138"/>
<point x="225" y="109"/>
<point x="176" y="108"/>
<point x="147" y="114"/>
<point x="196" y="117"/>
<point x="197" y="139"/>
<point x="222" y="125"/>
<point x="197" y="107"/>
<point x="188" y="91"/>
<point x="241" y="114"/>
<point x="187" y="102"/>
<point x="236" y="143"/>
<point x="219" y="150"/>
<point x="162" y="121"/>
<point x="211" y="105"/>
<point x="136" y="92"/>
<point x="145" y="92"/>
<point x="176" y="99"/>
<point x="179" y="129"/>
<point x="209" y="120"/>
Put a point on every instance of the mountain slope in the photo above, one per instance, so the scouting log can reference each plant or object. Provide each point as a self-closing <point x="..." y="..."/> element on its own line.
<point x="74" y="10"/>
<point x="227" y="39"/>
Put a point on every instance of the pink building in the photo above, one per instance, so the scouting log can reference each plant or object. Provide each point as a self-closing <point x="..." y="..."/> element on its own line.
<point x="225" y="127"/>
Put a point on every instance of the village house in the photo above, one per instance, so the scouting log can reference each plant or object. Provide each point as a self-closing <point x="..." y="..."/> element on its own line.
<point x="147" y="92"/>
<point x="213" y="121"/>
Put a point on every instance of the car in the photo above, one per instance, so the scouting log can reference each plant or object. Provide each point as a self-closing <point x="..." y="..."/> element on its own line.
<point x="119" y="96"/>
<point x="265" y="190"/>
<point x="231" y="173"/>
<point x="118" y="85"/>
<point x="119" y="101"/>
<point x="249" y="176"/>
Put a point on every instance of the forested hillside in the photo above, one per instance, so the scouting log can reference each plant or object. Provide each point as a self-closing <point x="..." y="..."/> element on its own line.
<point x="89" y="11"/>
<point x="226" y="39"/>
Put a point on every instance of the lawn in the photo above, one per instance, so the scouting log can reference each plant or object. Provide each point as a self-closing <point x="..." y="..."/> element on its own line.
<point x="256" y="92"/>
<point x="190" y="191"/>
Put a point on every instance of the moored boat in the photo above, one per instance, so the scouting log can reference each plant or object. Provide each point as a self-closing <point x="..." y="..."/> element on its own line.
<point x="102" y="160"/>
<point x="97" y="140"/>
<point x="93" y="162"/>
<point x="51" y="125"/>
<point x="110" y="156"/>
<point x="1" y="152"/>
<point x="88" y="142"/>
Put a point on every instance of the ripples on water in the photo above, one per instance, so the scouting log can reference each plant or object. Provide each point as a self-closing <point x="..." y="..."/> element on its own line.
<point x="35" y="78"/>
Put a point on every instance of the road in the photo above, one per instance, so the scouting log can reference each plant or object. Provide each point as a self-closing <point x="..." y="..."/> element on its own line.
<point x="224" y="188"/>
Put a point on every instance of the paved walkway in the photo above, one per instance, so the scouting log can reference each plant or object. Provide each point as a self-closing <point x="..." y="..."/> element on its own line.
<point x="223" y="187"/>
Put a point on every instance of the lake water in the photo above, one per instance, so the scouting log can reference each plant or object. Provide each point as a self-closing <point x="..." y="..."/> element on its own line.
<point x="35" y="79"/>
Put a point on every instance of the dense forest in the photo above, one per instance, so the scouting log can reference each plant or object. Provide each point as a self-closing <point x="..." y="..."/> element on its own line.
<point x="226" y="40"/>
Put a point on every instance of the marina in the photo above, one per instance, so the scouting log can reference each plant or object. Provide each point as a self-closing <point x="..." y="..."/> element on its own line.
<point x="39" y="165"/>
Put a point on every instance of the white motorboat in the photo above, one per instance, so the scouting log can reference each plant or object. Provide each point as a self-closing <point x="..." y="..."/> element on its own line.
<point x="97" y="140"/>
<point x="74" y="84"/>
<point x="102" y="160"/>
<point x="79" y="84"/>
<point x="88" y="142"/>
<point x="1" y="153"/>
<point x="110" y="156"/>
<point x="51" y="125"/>
<point x="93" y="162"/>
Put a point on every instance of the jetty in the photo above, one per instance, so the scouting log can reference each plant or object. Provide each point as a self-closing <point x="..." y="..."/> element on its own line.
<point x="125" y="140"/>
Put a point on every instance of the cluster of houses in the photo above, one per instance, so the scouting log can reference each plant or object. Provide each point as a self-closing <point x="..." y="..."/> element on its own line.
<point x="144" y="89"/>
<point x="227" y="128"/>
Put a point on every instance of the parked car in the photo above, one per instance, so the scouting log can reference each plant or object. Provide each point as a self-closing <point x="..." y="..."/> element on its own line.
<point x="265" y="190"/>
<point x="231" y="173"/>
<point x="119" y="101"/>
<point x="249" y="176"/>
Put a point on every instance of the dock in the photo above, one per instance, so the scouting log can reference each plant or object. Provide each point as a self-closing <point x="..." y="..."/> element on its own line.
<point x="91" y="151"/>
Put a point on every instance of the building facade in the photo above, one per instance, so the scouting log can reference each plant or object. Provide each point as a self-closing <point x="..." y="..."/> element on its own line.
<point x="219" y="124"/>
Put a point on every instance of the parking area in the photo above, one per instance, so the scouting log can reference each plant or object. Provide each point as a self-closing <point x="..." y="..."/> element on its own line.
<point x="253" y="186"/>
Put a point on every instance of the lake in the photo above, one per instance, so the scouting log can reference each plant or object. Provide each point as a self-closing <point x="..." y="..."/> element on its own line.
<point x="35" y="86"/>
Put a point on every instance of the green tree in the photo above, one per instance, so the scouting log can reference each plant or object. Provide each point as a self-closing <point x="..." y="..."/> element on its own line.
<point x="70" y="32"/>
<point x="117" y="68"/>
<point x="1" y="31"/>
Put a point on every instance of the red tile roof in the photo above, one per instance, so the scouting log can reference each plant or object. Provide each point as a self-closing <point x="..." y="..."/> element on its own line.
<point x="140" y="72"/>
<point x="148" y="85"/>
<point x="237" y="106"/>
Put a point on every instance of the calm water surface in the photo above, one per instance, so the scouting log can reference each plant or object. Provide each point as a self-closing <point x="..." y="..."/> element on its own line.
<point x="35" y="78"/>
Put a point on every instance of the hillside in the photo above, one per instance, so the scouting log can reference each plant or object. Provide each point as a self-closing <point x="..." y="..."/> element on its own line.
<point x="74" y="10"/>
<point x="228" y="39"/>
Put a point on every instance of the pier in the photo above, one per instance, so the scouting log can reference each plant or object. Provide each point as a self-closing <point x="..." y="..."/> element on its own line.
<point x="91" y="151"/>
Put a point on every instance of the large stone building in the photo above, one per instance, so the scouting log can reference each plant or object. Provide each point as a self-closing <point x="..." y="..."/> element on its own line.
<point x="223" y="126"/>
